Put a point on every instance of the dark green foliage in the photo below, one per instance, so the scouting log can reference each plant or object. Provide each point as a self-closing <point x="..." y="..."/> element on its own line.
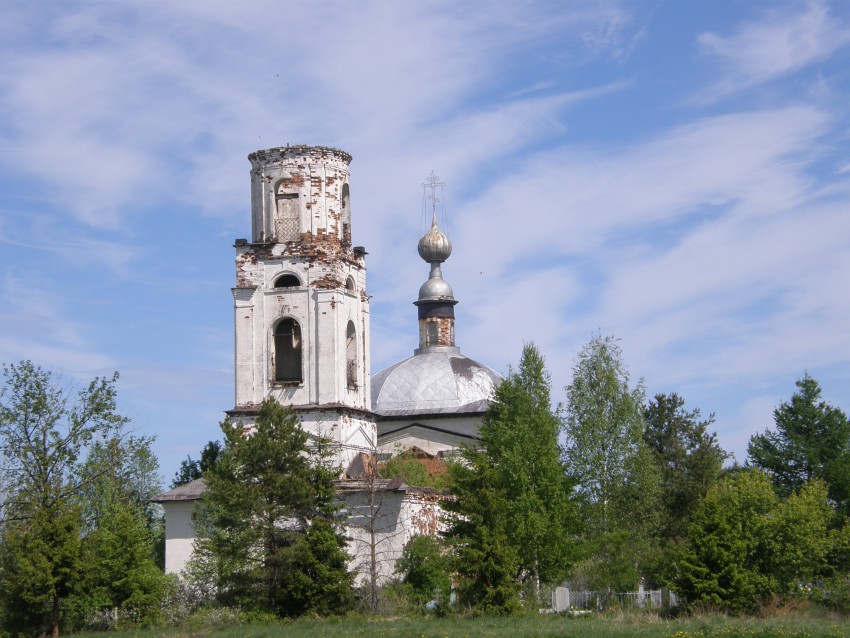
<point x="193" y="469"/>
<point x="811" y="440"/>
<point x="688" y="458"/>
<point x="746" y="546"/>
<point x="425" y="567"/>
<point x="269" y="510"/>
<point x="318" y="581"/>
<point x="520" y="435"/>
<point x="484" y="559"/>
<point x="41" y="564"/>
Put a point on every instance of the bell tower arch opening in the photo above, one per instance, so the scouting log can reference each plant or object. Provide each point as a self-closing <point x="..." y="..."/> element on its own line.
<point x="287" y="280"/>
<point x="351" y="355"/>
<point x="288" y="352"/>
<point x="287" y="225"/>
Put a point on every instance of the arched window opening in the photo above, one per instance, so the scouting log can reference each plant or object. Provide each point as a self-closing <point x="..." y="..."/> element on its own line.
<point x="287" y="222"/>
<point x="346" y="215"/>
<point x="346" y="201"/>
<point x="351" y="355"/>
<point x="287" y="352"/>
<point x="349" y="284"/>
<point x="287" y="281"/>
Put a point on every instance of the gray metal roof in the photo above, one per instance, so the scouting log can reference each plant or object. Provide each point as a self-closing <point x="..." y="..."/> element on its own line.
<point x="437" y="381"/>
<point x="188" y="492"/>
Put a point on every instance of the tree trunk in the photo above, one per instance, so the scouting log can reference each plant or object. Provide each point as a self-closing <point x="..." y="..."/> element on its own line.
<point x="54" y="617"/>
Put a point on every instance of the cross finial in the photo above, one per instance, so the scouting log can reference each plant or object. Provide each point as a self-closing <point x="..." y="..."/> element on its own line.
<point x="433" y="182"/>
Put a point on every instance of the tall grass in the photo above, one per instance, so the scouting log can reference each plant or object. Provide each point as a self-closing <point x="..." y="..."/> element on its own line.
<point x="615" y="625"/>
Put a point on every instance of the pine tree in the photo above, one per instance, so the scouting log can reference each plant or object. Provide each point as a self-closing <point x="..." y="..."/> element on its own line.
<point x="269" y="520"/>
<point x="687" y="456"/>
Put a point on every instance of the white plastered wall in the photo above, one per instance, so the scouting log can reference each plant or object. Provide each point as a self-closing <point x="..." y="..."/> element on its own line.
<point x="179" y="534"/>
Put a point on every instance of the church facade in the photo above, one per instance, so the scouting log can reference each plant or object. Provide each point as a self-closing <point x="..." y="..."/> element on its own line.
<point x="301" y="330"/>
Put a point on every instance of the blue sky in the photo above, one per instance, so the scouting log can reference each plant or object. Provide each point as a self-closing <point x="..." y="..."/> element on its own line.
<point x="674" y="173"/>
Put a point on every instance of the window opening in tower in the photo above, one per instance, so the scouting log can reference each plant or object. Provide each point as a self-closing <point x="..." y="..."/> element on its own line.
<point x="287" y="227"/>
<point x="287" y="352"/>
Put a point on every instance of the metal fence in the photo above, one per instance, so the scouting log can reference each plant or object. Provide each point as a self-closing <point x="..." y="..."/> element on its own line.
<point x="564" y="599"/>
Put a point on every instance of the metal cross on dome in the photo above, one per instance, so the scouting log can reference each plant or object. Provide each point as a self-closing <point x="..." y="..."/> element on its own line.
<point x="433" y="182"/>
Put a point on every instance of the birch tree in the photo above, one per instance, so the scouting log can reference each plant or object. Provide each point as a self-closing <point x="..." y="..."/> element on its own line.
<point x="520" y="434"/>
<point x="616" y="480"/>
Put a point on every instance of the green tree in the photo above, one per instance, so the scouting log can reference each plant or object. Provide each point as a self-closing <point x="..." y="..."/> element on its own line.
<point x="193" y="469"/>
<point x="688" y="458"/>
<point x="41" y="565"/>
<point x="520" y="435"/>
<point x="811" y="440"/>
<point x="269" y="520"/>
<point x="124" y="529"/>
<point x="617" y="482"/>
<point x="46" y="430"/>
<point x="746" y="545"/>
<point x="424" y="567"/>
<point x="799" y="538"/>
<point x="485" y="561"/>
<point x="319" y="581"/>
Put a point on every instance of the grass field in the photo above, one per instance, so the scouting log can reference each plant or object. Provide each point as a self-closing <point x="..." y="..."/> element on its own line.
<point x="613" y="626"/>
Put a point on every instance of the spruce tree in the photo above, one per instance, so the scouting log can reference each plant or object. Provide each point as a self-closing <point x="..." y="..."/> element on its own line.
<point x="123" y="528"/>
<point x="811" y="440"/>
<point x="485" y="562"/>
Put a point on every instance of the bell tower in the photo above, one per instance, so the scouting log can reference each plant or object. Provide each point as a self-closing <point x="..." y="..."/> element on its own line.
<point x="301" y="309"/>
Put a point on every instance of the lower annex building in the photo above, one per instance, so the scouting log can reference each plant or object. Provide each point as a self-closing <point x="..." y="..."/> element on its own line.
<point x="301" y="328"/>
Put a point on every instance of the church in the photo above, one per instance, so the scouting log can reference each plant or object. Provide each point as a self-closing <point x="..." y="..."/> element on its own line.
<point x="301" y="330"/>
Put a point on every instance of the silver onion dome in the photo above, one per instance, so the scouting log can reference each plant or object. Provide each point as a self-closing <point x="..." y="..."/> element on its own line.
<point x="435" y="248"/>
<point x="434" y="245"/>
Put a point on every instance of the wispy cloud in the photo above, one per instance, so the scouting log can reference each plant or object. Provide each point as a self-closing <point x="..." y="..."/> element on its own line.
<point x="781" y="41"/>
<point x="579" y="199"/>
<point x="32" y="326"/>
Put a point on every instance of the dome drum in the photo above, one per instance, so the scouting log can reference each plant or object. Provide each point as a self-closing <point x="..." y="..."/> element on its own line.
<point x="436" y="309"/>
